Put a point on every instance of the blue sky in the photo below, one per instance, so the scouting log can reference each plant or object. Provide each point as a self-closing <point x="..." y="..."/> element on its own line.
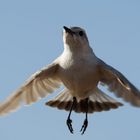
<point x="31" y="37"/>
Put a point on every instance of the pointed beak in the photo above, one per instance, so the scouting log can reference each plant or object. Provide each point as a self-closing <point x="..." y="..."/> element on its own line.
<point x="68" y="30"/>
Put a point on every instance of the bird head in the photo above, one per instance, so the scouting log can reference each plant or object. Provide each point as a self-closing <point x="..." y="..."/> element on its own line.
<point x="75" y="37"/>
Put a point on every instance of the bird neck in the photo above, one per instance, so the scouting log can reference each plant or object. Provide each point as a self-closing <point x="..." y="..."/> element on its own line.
<point x="78" y="50"/>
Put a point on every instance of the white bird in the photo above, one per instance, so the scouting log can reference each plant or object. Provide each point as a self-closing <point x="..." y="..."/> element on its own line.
<point x="80" y="72"/>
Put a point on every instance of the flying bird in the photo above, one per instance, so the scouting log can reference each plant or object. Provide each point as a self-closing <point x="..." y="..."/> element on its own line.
<point x="80" y="71"/>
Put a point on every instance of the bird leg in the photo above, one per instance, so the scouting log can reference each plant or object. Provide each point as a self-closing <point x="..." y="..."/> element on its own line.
<point x="69" y="121"/>
<point x="85" y="123"/>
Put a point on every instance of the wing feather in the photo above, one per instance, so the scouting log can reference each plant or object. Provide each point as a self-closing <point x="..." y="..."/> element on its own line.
<point x="39" y="85"/>
<point x="119" y="84"/>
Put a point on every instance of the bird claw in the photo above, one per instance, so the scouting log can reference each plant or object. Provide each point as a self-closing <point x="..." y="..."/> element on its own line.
<point x="69" y="124"/>
<point x="84" y="127"/>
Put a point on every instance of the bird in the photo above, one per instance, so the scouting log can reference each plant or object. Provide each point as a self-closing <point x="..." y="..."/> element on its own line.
<point x="81" y="73"/>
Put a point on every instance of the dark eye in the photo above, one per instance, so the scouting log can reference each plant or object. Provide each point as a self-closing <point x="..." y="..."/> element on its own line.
<point x="81" y="33"/>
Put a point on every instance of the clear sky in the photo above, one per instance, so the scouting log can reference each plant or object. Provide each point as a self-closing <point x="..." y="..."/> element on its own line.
<point x="31" y="37"/>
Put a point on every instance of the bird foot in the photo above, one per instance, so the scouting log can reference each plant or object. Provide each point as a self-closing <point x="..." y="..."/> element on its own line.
<point x="69" y="124"/>
<point x="84" y="126"/>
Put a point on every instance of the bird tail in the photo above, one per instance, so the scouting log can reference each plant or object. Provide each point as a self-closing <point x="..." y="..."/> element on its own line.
<point x="98" y="101"/>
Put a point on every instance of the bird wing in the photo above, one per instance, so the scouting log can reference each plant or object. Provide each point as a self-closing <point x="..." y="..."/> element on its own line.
<point x="39" y="85"/>
<point x="118" y="84"/>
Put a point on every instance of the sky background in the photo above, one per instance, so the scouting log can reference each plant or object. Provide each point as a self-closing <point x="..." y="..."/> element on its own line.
<point x="31" y="37"/>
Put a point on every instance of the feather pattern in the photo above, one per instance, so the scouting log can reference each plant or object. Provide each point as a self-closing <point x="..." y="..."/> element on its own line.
<point x="98" y="101"/>
<point x="118" y="84"/>
<point x="37" y="87"/>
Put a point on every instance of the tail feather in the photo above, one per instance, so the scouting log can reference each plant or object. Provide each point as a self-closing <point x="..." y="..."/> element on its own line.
<point x="62" y="101"/>
<point x="98" y="101"/>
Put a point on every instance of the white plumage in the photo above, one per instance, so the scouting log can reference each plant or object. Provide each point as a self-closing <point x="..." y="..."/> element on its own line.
<point x="79" y="71"/>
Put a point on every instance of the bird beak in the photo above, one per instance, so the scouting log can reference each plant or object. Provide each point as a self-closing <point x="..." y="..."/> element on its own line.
<point x="68" y="30"/>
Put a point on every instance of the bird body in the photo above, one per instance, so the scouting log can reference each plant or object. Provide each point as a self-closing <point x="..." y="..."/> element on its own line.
<point x="75" y="73"/>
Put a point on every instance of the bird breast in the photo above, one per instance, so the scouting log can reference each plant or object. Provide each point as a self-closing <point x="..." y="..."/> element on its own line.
<point x="79" y="76"/>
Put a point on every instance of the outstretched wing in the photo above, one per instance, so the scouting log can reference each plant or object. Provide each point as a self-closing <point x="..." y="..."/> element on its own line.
<point x="39" y="85"/>
<point x="119" y="84"/>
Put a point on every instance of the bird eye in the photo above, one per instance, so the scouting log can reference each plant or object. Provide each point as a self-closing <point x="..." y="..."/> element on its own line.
<point x="81" y="33"/>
